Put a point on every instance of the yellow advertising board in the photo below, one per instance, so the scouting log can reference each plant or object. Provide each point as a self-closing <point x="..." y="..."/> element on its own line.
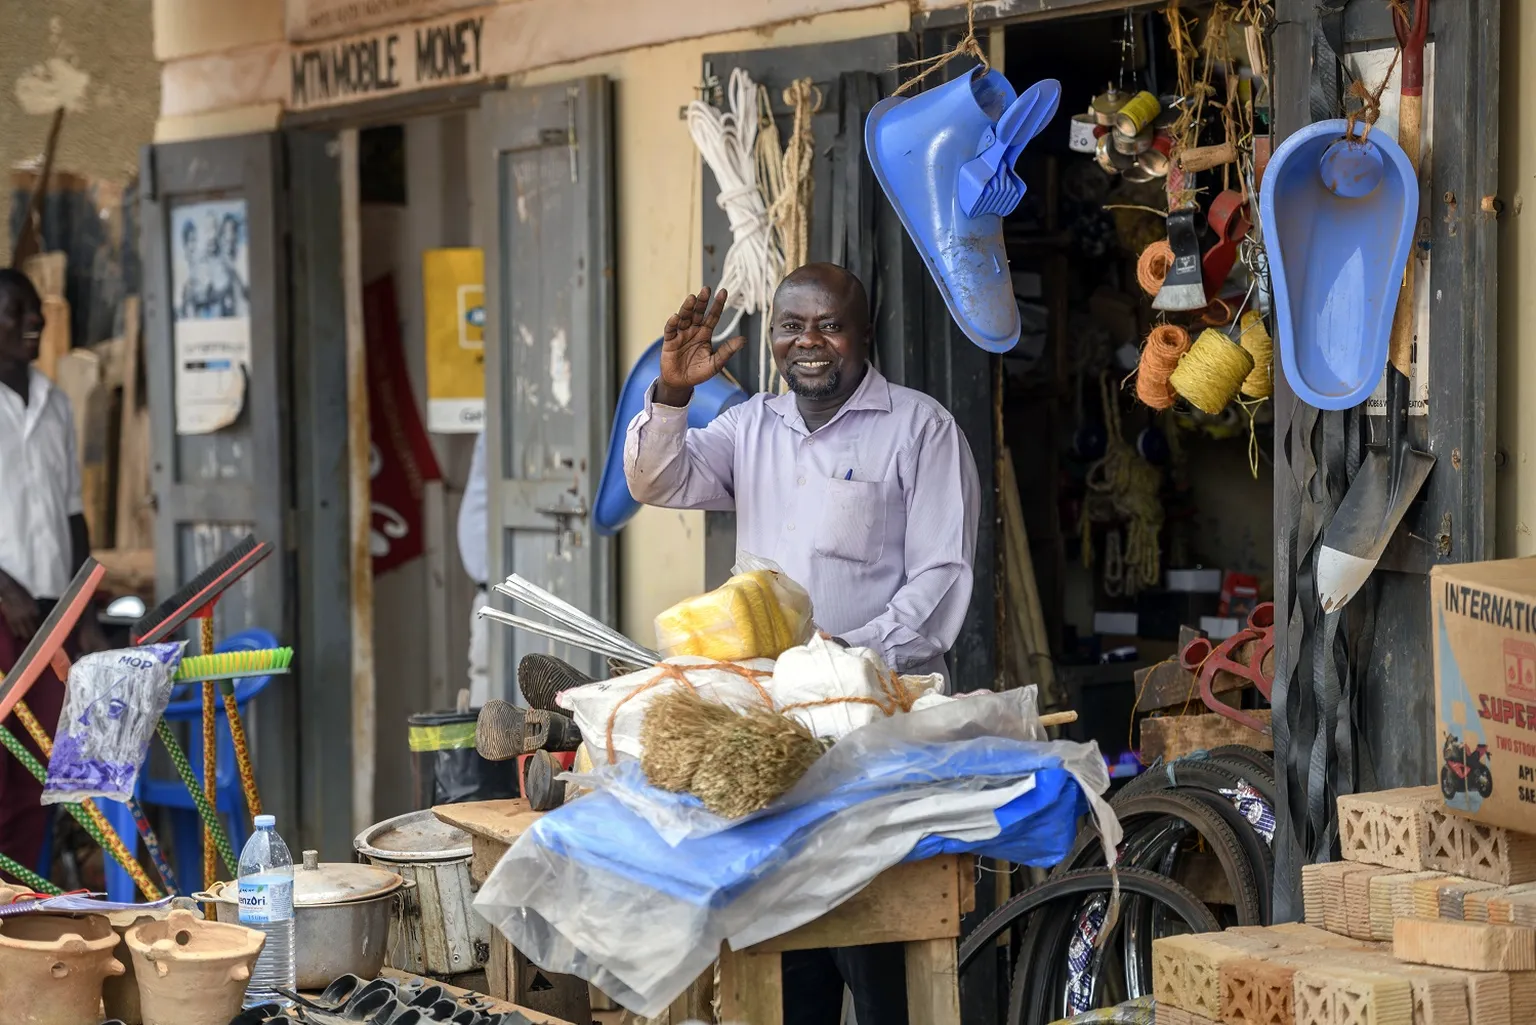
<point x="454" y="282"/>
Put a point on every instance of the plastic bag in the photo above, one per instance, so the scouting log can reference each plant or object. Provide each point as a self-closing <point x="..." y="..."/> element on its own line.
<point x="111" y="707"/>
<point x="834" y="690"/>
<point x="634" y="889"/>
<point x="758" y="613"/>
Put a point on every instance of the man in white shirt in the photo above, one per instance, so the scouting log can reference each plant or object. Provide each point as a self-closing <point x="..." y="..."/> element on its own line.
<point x="43" y="539"/>
<point x="472" y="545"/>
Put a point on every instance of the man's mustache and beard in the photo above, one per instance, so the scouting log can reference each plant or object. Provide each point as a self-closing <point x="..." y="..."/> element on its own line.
<point x="819" y="387"/>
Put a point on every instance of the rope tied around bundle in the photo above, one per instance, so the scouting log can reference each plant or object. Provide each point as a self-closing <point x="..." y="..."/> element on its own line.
<point x="968" y="45"/>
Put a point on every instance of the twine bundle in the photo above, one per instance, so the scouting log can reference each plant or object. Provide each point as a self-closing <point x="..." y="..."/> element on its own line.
<point x="1211" y="372"/>
<point x="1166" y="344"/>
<point x="1152" y="266"/>
<point x="736" y="763"/>
<point x="1255" y="340"/>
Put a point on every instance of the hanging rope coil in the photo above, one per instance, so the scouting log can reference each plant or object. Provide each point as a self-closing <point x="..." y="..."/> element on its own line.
<point x="1126" y="487"/>
<point x="1152" y="266"/>
<point x="1211" y="372"/>
<point x="1254" y="338"/>
<point x="791" y="208"/>
<point x="754" y="264"/>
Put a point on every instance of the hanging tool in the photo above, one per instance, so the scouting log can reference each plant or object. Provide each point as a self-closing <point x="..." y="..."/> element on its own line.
<point x="1392" y="474"/>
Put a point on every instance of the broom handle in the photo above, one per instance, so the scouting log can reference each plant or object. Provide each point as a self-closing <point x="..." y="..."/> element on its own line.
<point x="204" y="808"/>
<point x="242" y="749"/>
<point x="1058" y="718"/>
<point x="210" y="759"/>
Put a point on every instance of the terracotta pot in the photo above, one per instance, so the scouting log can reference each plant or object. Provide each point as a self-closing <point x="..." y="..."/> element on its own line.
<point x="192" y="972"/>
<point x="120" y="994"/>
<point x="52" y="968"/>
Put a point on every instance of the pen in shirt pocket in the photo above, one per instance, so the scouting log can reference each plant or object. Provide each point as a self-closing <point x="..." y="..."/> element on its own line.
<point x="849" y="475"/>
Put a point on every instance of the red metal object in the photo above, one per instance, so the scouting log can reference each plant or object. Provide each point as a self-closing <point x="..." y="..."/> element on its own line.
<point x="1205" y="660"/>
<point x="1230" y="221"/>
<point x="1411" y="39"/>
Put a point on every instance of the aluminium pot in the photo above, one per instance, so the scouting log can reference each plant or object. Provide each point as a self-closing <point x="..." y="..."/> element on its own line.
<point x="341" y="917"/>
<point x="437" y="930"/>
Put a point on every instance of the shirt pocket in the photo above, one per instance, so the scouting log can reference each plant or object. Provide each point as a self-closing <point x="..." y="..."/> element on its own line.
<point x="853" y="521"/>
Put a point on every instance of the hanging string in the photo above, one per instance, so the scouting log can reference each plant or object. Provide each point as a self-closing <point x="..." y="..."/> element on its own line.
<point x="1130" y="485"/>
<point x="1152" y="265"/>
<point x="967" y="46"/>
<point x="1211" y="372"/>
<point x="792" y="207"/>
<point x="1165" y="345"/>
<point x="754" y="264"/>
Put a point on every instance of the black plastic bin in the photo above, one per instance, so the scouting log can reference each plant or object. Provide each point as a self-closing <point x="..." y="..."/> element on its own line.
<point x="446" y="768"/>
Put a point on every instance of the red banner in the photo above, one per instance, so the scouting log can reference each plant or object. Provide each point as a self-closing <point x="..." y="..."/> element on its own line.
<point x="401" y="458"/>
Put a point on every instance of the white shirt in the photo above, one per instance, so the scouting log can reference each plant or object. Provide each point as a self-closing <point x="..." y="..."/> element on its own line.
<point x="473" y="534"/>
<point x="39" y="487"/>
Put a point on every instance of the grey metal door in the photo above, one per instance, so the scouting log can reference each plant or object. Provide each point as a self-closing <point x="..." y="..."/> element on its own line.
<point x="215" y="283"/>
<point x="547" y="192"/>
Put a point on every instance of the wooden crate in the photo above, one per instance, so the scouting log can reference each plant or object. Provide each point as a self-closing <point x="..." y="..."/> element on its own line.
<point x="1173" y="736"/>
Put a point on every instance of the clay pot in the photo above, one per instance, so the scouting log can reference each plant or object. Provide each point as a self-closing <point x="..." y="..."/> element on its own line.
<point x="192" y="972"/>
<point x="52" y="968"/>
<point x="120" y="994"/>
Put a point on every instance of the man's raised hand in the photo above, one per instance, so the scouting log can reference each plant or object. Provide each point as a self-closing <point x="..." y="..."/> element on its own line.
<point x="688" y="355"/>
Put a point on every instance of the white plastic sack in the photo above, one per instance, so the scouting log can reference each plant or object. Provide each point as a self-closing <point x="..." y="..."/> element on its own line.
<point x="855" y="680"/>
<point x="644" y="939"/>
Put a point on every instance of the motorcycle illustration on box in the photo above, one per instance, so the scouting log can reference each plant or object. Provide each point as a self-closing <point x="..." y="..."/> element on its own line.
<point x="1465" y="769"/>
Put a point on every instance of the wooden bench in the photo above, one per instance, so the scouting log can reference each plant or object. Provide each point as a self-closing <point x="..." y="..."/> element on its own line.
<point x="917" y="903"/>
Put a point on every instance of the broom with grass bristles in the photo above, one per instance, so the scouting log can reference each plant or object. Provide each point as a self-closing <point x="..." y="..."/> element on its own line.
<point x="735" y="762"/>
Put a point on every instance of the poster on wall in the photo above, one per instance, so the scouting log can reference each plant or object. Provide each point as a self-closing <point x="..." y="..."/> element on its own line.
<point x="211" y="308"/>
<point x="454" y="282"/>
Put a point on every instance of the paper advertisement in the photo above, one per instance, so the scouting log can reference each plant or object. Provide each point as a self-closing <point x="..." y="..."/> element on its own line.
<point x="454" y="282"/>
<point x="210" y="288"/>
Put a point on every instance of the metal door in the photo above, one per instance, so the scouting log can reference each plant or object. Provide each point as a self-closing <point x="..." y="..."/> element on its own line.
<point x="215" y="282"/>
<point x="547" y="192"/>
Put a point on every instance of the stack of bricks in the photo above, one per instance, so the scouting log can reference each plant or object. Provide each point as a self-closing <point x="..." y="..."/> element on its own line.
<point x="1431" y="920"/>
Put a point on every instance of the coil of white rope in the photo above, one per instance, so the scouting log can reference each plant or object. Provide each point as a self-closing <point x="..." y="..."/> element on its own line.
<point x="754" y="263"/>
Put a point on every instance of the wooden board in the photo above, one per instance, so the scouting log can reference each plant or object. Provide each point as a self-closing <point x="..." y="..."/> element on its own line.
<point x="1174" y="736"/>
<point x="751" y="987"/>
<point x="498" y="1006"/>
<point x="135" y="521"/>
<point x="503" y="821"/>
<point x="916" y="900"/>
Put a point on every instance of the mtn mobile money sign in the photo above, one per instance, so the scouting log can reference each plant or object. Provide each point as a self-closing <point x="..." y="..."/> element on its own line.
<point x="394" y="60"/>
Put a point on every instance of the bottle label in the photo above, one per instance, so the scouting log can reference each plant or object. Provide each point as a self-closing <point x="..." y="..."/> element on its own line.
<point x="266" y="901"/>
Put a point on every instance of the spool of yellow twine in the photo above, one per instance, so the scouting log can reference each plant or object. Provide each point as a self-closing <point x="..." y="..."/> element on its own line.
<point x="1211" y="372"/>
<point x="1253" y="336"/>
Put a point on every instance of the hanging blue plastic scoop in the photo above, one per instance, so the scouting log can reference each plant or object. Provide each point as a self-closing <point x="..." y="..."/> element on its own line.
<point x="614" y="505"/>
<point x="945" y="158"/>
<point x="1338" y="215"/>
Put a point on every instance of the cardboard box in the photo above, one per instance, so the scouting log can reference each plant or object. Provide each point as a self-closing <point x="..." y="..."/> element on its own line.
<point x="1485" y="689"/>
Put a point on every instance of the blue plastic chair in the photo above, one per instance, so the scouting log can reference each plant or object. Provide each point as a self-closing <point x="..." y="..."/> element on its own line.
<point x="186" y="837"/>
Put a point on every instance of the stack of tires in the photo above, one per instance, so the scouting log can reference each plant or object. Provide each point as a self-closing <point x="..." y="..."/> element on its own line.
<point x="1196" y="856"/>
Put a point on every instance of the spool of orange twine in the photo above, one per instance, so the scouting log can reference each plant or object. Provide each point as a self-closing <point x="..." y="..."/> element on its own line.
<point x="1152" y="266"/>
<point x="1211" y="372"/>
<point x="1165" y="345"/>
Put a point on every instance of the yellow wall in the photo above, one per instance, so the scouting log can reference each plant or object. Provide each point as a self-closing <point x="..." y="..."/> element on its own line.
<point x="1517" y="259"/>
<point x="662" y="551"/>
<point x="96" y="60"/>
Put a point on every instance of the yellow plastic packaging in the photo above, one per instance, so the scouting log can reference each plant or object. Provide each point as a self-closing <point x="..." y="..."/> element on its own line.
<point x="758" y="613"/>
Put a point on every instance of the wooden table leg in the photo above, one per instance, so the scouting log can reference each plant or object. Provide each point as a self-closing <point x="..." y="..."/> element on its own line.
<point x="933" y="983"/>
<point x="752" y="988"/>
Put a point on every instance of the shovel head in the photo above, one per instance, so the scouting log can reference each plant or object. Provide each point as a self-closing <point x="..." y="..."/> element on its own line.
<point x="1366" y="521"/>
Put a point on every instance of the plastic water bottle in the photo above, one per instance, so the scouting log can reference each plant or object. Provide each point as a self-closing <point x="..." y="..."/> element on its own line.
<point x="266" y="904"/>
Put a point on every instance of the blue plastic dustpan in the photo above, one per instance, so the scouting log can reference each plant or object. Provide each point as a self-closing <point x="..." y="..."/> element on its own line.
<point x="615" y="506"/>
<point x="945" y="158"/>
<point x="1338" y="216"/>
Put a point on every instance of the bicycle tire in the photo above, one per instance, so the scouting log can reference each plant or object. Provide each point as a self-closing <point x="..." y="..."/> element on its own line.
<point x="1260" y="857"/>
<point x="1059" y="888"/>
<point x="1207" y="773"/>
<point x="1260" y="760"/>
<point x="1220" y="837"/>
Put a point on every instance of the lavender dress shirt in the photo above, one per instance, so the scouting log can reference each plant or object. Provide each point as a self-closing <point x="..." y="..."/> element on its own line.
<point x="885" y="553"/>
